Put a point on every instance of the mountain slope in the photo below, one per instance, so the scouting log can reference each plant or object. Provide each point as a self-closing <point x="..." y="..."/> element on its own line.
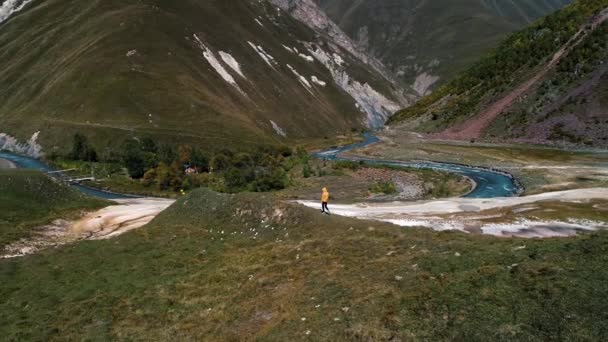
<point x="428" y="42"/>
<point x="208" y="71"/>
<point x="545" y="83"/>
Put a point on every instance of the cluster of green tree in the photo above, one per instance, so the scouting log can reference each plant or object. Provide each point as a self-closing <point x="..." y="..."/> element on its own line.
<point x="81" y="150"/>
<point x="585" y="58"/>
<point x="186" y="167"/>
<point x="514" y="58"/>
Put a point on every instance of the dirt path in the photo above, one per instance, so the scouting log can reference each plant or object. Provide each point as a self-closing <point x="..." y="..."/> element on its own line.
<point x="106" y="223"/>
<point x="477" y="215"/>
<point x="474" y="127"/>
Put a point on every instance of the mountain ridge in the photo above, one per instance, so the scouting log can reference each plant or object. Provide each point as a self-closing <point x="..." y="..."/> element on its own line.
<point x="544" y="84"/>
<point x="426" y="43"/>
<point x="205" y="72"/>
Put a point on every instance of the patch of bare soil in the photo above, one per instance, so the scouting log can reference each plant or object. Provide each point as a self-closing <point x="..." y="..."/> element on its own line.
<point x="505" y="217"/>
<point x="106" y="223"/>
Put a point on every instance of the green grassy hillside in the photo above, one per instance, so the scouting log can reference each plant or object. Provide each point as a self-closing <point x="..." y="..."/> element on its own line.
<point x="433" y="38"/>
<point x="113" y="68"/>
<point x="29" y="199"/>
<point x="244" y="267"/>
<point x="564" y="103"/>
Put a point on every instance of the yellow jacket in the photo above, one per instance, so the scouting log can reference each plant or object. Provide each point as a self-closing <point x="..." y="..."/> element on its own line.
<point x="325" y="195"/>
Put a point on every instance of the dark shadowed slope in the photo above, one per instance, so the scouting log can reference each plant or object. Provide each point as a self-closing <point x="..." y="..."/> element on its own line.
<point x="546" y="83"/>
<point x="426" y="43"/>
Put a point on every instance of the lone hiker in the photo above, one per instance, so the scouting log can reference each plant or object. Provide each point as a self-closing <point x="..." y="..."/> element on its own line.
<point x="324" y="201"/>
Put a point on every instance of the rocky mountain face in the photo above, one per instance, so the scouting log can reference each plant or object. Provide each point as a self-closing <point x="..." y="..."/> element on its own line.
<point x="545" y="84"/>
<point x="212" y="72"/>
<point x="426" y="43"/>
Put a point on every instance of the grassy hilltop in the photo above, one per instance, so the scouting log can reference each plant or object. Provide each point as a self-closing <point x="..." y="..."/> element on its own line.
<point x="244" y="267"/>
<point x="29" y="199"/>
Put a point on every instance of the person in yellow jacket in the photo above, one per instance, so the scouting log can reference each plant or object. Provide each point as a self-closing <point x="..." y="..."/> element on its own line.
<point x="324" y="201"/>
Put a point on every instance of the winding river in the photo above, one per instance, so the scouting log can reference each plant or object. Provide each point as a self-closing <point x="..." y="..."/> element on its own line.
<point x="35" y="164"/>
<point x="489" y="183"/>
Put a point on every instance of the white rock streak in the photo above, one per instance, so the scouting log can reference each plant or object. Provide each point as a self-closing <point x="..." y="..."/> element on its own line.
<point x="301" y="78"/>
<point x="424" y="82"/>
<point x="232" y="63"/>
<point x="278" y="129"/>
<point x="377" y="107"/>
<point x="265" y="56"/>
<point x="306" y="57"/>
<point x="9" y="7"/>
<point x="317" y="81"/>
<point x="215" y="64"/>
<point x="29" y="148"/>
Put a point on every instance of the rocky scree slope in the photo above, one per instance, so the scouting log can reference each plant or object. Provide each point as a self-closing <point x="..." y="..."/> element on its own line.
<point x="544" y="84"/>
<point x="200" y="71"/>
<point x="426" y="43"/>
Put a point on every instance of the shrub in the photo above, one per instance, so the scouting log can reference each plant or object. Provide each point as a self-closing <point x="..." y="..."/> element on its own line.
<point x="387" y="188"/>
<point x="347" y="164"/>
<point x="220" y="162"/>
<point x="306" y="171"/>
<point x="270" y="179"/>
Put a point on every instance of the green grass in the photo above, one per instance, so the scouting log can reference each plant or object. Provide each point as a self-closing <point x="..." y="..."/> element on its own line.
<point x="200" y="272"/>
<point x="387" y="188"/>
<point x="29" y="199"/>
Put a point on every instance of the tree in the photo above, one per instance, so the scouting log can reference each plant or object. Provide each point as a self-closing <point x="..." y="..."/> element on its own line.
<point x="134" y="159"/>
<point x="235" y="179"/>
<point x="185" y="154"/>
<point x="220" y="162"/>
<point x="148" y="145"/>
<point x="242" y="160"/>
<point x="81" y="149"/>
<point x="163" y="176"/>
<point x="199" y="160"/>
<point x="166" y="154"/>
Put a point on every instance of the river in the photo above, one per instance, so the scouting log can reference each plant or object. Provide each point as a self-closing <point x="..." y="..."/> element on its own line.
<point x="35" y="164"/>
<point x="489" y="183"/>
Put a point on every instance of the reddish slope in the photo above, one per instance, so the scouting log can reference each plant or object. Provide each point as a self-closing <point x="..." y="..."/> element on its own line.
<point x="474" y="127"/>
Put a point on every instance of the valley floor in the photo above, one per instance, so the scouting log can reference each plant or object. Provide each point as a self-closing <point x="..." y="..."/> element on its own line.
<point x="539" y="168"/>
<point x="565" y="191"/>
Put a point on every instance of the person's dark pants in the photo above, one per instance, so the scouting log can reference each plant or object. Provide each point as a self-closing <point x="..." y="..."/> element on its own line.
<point x="324" y="207"/>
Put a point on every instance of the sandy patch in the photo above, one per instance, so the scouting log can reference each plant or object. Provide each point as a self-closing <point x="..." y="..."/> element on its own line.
<point x="106" y="223"/>
<point x="459" y="214"/>
<point x="6" y="164"/>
